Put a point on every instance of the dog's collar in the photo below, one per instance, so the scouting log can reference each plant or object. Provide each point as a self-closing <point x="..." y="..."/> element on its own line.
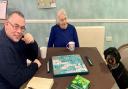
<point x="112" y="67"/>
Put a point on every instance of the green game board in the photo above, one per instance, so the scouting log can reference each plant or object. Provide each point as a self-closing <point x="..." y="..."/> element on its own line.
<point x="68" y="65"/>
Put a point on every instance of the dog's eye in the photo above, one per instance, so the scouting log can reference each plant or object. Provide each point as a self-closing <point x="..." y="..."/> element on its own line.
<point x="110" y="57"/>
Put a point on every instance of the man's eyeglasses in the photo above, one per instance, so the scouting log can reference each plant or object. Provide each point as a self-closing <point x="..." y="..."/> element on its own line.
<point x="17" y="26"/>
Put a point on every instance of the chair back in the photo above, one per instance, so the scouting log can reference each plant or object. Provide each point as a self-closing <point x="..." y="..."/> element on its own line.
<point x="92" y="36"/>
<point x="123" y="50"/>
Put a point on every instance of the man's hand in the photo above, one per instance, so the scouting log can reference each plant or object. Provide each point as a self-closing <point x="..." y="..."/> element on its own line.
<point x="38" y="62"/>
<point x="28" y="38"/>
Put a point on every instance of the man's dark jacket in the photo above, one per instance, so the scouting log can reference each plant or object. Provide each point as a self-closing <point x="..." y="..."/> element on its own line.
<point x="13" y="67"/>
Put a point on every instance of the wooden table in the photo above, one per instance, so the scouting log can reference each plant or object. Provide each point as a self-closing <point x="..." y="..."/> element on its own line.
<point x="99" y="75"/>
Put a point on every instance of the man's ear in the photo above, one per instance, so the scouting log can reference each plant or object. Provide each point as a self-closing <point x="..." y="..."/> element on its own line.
<point x="5" y="22"/>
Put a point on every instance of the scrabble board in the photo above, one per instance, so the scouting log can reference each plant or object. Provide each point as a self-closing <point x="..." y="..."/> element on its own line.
<point x="65" y="65"/>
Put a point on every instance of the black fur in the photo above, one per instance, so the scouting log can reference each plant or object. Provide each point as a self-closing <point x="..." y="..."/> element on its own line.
<point x="120" y="74"/>
<point x="114" y="52"/>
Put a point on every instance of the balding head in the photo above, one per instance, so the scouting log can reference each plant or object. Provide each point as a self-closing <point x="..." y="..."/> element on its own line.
<point x="15" y="12"/>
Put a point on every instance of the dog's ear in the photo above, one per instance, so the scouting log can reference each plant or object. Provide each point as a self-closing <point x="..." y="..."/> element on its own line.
<point x="105" y="53"/>
<point x="117" y="56"/>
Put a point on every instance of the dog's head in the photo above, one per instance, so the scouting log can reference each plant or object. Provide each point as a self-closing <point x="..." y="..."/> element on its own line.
<point x="112" y="55"/>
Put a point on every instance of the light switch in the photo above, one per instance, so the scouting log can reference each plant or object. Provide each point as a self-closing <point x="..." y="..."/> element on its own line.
<point x="108" y="38"/>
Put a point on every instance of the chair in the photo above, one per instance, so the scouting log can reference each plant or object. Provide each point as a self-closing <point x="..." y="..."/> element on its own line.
<point x="92" y="36"/>
<point x="123" y="50"/>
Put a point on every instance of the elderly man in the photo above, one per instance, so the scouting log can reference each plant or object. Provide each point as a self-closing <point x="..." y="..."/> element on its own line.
<point x="63" y="32"/>
<point x="15" y="48"/>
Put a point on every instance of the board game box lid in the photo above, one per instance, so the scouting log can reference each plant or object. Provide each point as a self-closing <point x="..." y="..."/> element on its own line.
<point x="65" y="65"/>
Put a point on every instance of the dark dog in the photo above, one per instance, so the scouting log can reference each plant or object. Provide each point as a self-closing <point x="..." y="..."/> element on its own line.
<point x="117" y="69"/>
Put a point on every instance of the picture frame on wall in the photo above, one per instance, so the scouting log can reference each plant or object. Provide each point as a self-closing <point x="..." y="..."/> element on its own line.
<point x="3" y="9"/>
<point x="46" y="3"/>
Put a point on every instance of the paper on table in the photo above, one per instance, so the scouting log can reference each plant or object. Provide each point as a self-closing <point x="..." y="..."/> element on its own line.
<point x="40" y="83"/>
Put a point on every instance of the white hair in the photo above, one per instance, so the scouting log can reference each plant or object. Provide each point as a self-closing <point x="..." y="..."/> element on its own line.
<point x="59" y="13"/>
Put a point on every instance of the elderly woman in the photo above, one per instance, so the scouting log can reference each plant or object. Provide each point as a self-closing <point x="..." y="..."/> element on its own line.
<point x="63" y="32"/>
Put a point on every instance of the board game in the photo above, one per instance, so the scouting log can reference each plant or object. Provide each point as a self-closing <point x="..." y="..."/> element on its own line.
<point x="68" y="65"/>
